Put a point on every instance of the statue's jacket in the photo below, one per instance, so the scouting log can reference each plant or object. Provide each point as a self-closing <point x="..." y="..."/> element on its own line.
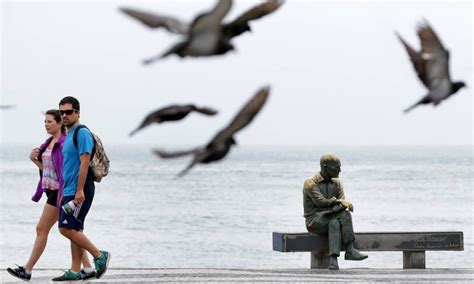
<point x="319" y="195"/>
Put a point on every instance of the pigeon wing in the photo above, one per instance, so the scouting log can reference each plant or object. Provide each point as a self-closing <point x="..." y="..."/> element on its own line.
<point x="170" y="155"/>
<point x="244" y="117"/>
<point x="153" y="117"/>
<point x="435" y="55"/>
<point x="418" y="62"/>
<point x="152" y="20"/>
<point x="253" y="13"/>
<point x="210" y="21"/>
<point x="175" y="49"/>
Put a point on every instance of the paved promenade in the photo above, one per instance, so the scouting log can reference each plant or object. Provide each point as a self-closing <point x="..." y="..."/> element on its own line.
<point x="204" y="275"/>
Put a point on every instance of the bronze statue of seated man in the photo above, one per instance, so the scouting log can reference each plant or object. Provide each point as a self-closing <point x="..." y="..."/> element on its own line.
<point x="327" y="212"/>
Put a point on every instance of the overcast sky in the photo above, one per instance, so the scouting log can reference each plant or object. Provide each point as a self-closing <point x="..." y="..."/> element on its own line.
<point x="338" y="74"/>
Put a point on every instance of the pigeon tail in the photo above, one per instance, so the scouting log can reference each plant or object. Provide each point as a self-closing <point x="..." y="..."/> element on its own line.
<point x="425" y="100"/>
<point x="174" y="49"/>
<point x="153" y="59"/>
<point x="411" y="107"/>
<point x="456" y="86"/>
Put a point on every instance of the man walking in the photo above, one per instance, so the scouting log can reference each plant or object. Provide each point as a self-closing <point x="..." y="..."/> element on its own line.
<point x="79" y="191"/>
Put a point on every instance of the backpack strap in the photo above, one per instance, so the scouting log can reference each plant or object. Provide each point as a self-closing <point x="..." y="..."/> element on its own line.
<point x="74" y="138"/>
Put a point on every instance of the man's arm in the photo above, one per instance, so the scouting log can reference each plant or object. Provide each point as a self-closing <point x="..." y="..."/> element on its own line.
<point x="341" y="199"/>
<point x="81" y="181"/>
<point x="85" y="144"/>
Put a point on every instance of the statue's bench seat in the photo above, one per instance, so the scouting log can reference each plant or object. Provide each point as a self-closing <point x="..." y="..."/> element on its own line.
<point x="412" y="244"/>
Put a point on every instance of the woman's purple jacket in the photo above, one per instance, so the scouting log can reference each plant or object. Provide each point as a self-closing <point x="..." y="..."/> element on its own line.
<point x="57" y="157"/>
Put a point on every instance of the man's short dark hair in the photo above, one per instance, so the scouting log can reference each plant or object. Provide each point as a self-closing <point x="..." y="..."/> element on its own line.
<point x="70" y="100"/>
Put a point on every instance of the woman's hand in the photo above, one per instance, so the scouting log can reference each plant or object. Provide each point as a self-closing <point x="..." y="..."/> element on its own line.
<point x="35" y="152"/>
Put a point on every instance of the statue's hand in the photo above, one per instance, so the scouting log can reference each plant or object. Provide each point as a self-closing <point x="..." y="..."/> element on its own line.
<point x="346" y="204"/>
<point x="338" y="208"/>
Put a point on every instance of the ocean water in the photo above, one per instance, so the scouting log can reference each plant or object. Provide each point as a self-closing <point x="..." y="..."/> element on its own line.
<point x="222" y="215"/>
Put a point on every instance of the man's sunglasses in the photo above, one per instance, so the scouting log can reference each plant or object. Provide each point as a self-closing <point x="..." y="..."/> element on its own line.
<point x="67" y="112"/>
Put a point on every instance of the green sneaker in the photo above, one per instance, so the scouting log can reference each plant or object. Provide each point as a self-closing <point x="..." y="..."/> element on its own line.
<point x="101" y="263"/>
<point x="69" y="276"/>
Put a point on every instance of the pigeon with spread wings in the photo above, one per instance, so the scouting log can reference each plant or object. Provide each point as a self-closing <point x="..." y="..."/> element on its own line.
<point x="206" y="36"/>
<point x="431" y="64"/>
<point x="202" y="38"/>
<point x="177" y="26"/>
<point x="220" y="145"/>
<point x="172" y="113"/>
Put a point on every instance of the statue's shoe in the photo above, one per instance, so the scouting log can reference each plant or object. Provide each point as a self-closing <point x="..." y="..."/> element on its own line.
<point x="354" y="255"/>
<point x="333" y="263"/>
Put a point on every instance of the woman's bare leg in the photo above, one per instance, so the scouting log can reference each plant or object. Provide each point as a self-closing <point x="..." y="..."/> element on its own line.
<point x="48" y="218"/>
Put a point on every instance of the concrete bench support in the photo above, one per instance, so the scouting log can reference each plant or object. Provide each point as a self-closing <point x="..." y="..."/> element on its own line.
<point x="414" y="259"/>
<point x="412" y="244"/>
<point x="319" y="260"/>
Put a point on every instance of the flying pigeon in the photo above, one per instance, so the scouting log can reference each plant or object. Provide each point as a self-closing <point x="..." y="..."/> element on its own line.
<point x="431" y="64"/>
<point x="221" y="143"/>
<point x="195" y="44"/>
<point x="202" y="38"/>
<point x="177" y="26"/>
<point x="172" y="113"/>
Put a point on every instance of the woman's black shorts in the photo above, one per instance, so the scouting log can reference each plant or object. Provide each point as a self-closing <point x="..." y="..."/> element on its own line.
<point x="52" y="196"/>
